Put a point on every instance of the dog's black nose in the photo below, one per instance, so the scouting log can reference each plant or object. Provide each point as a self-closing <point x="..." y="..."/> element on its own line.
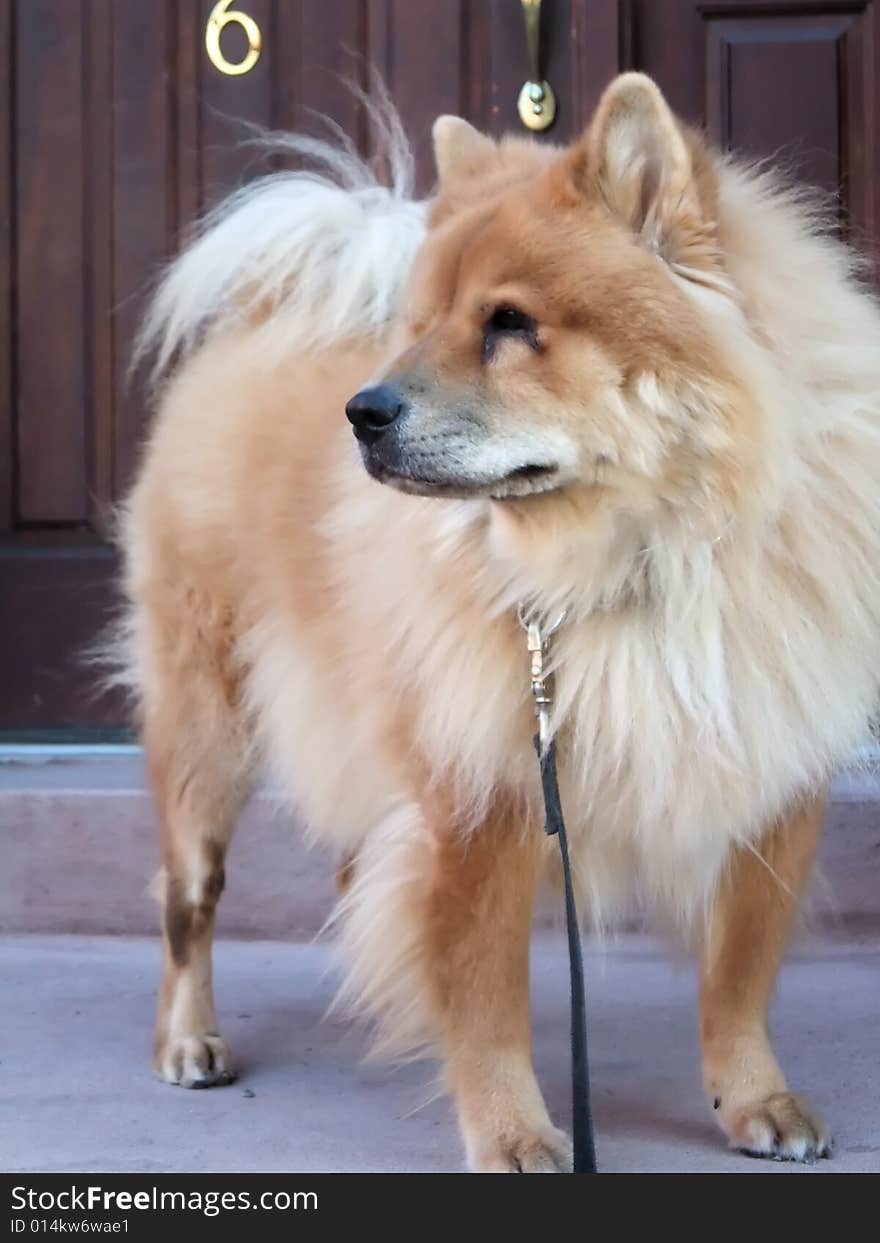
<point x="372" y="410"/>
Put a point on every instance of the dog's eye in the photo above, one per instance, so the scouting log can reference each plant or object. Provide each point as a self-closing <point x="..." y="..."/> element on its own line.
<point x="507" y="321"/>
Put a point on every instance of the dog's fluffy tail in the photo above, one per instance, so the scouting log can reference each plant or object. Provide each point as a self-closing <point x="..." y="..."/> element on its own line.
<point x="315" y="255"/>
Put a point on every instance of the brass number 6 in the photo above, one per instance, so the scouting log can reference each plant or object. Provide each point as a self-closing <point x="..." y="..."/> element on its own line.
<point x="220" y="18"/>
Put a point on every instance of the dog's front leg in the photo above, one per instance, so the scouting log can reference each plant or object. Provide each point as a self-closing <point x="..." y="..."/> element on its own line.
<point x="753" y="914"/>
<point x="479" y="923"/>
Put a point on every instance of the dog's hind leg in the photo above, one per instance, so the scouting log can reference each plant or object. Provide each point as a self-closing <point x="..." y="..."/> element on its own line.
<point x="197" y="754"/>
<point x="750" y="925"/>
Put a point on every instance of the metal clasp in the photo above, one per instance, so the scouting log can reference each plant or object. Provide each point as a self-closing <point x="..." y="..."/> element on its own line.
<point x="538" y="644"/>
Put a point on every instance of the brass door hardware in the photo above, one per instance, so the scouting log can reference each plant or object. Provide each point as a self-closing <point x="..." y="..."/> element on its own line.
<point x="221" y="17"/>
<point x="536" y="103"/>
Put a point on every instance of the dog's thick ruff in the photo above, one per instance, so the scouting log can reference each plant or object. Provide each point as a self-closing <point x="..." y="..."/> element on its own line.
<point x="667" y="374"/>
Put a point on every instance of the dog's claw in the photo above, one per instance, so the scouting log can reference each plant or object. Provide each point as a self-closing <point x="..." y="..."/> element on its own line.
<point x="196" y="1061"/>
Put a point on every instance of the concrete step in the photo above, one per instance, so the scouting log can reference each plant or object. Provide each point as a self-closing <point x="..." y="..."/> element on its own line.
<point x="78" y="836"/>
<point x="76" y="1093"/>
<point x="78" y="841"/>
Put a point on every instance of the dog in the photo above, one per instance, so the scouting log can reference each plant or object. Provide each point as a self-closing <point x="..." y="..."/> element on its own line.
<point x="629" y="380"/>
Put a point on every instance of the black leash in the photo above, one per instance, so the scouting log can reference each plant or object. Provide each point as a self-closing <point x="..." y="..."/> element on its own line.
<point x="581" y="1113"/>
<point x="554" y="825"/>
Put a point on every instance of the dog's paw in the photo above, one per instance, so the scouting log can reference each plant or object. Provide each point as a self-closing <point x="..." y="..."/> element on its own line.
<point x="196" y="1061"/>
<point x="547" y="1151"/>
<point x="780" y="1127"/>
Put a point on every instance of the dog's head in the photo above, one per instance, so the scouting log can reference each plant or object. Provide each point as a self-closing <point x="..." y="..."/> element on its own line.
<point x="550" y="342"/>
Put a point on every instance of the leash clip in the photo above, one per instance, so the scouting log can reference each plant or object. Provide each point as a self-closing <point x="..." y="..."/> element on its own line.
<point x="538" y="645"/>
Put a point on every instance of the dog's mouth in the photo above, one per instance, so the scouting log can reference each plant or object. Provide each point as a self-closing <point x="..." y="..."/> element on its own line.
<point x="526" y="480"/>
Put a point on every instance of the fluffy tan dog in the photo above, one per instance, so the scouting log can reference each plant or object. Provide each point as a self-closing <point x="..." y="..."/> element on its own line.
<point x="628" y="379"/>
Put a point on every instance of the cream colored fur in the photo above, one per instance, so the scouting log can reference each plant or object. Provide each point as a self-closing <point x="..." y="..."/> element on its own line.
<point x="275" y="249"/>
<point x="373" y="635"/>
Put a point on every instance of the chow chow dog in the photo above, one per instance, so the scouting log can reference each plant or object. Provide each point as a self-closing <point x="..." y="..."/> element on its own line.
<point x="629" y="379"/>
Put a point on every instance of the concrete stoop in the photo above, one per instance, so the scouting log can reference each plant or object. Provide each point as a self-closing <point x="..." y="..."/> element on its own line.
<point x="76" y="1093"/>
<point x="79" y="848"/>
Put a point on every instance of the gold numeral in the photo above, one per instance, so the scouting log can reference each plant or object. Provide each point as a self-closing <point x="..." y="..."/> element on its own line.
<point x="219" y="19"/>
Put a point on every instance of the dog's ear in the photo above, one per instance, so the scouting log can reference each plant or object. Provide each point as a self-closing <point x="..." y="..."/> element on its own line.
<point x="639" y="161"/>
<point x="459" y="149"/>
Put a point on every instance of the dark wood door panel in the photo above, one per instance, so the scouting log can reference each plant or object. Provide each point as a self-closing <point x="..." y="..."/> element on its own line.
<point x="802" y="61"/>
<point x="794" y="80"/>
<point x="51" y="255"/>
<point x="137" y="195"/>
<point x="52" y="604"/>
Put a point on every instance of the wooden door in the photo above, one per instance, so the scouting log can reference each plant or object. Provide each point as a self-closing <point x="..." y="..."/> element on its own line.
<point x="116" y="131"/>
<point x="795" y="81"/>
